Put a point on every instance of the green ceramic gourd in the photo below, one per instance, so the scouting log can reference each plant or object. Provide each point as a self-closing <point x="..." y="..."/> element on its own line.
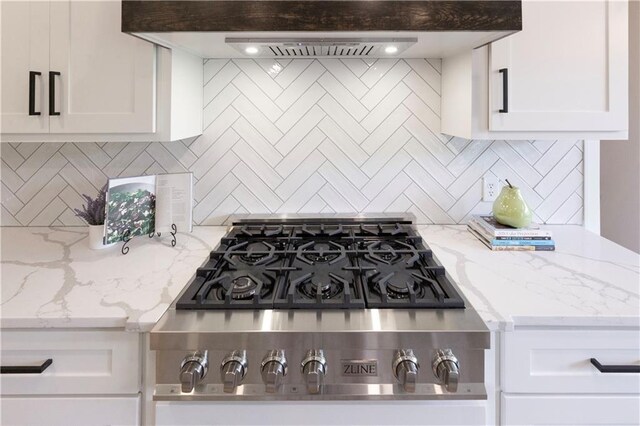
<point x="511" y="209"/>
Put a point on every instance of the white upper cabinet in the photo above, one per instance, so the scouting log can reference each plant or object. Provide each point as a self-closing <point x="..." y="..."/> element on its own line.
<point x="91" y="82"/>
<point x="565" y="75"/>
<point x="567" y="69"/>
<point x="25" y="63"/>
<point x="106" y="81"/>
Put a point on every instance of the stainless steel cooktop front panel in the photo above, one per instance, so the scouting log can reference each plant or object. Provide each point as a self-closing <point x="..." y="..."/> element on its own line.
<point x="331" y="392"/>
<point x="365" y="328"/>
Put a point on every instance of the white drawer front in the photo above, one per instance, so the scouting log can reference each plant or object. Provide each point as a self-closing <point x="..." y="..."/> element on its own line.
<point x="70" y="411"/>
<point x="84" y="362"/>
<point x="584" y="410"/>
<point x="443" y="413"/>
<point x="559" y="361"/>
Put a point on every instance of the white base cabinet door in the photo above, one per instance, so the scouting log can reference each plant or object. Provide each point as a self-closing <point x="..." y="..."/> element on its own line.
<point x="70" y="411"/>
<point x="584" y="410"/>
<point x="322" y="413"/>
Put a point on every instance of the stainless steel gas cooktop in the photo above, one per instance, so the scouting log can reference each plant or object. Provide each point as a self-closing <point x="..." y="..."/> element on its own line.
<point x="321" y="266"/>
<point x="320" y="309"/>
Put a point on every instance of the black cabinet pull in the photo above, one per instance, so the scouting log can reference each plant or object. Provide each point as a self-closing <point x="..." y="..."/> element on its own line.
<point x="52" y="92"/>
<point x="27" y="369"/>
<point x="615" y="368"/>
<point x="32" y="92"/>
<point x="505" y="90"/>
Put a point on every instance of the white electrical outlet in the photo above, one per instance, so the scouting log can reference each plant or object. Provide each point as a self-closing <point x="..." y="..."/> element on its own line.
<point x="489" y="188"/>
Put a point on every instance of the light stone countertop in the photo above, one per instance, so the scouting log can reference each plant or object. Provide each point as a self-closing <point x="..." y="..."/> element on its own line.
<point x="588" y="281"/>
<point x="50" y="278"/>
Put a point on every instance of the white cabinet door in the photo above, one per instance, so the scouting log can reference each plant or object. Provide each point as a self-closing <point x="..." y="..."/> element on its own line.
<point x="69" y="411"/>
<point x="107" y="78"/>
<point x="567" y="68"/>
<point x="25" y="49"/>
<point x="572" y="410"/>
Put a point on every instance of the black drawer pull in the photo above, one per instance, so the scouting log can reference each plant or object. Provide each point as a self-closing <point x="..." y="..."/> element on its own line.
<point x="505" y="90"/>
<point x="32" y="92"/>
<point x="27" y="369"/>
<point x="52" y="92"/>
<point x="615" y="368"/>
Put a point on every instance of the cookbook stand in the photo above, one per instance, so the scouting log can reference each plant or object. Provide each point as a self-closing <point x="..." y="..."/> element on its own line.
<point x="126" y="237"/>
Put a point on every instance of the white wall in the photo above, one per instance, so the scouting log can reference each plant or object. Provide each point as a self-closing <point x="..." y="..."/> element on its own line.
<point x="620" y="160"/>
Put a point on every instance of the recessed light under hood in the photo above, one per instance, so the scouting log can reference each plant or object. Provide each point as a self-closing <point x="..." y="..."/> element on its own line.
<point x="320" y="47"/>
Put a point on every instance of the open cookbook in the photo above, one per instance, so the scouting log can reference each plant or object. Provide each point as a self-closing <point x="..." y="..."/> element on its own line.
<point x="147" y="204"/>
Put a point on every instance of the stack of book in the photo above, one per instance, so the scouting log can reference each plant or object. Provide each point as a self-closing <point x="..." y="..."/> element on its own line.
<point x="501" y="237"/>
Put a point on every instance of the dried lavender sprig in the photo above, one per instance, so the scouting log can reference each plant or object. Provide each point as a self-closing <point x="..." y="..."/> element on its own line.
<point x="94" y="211"/>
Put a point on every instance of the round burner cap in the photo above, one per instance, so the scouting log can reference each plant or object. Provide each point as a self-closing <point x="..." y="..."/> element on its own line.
<point x="243" y="288"/>
<point x="324" y="286"/>
<point x="400" y="289"/>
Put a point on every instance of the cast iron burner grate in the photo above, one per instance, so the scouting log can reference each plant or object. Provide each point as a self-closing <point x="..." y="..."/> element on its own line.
<point x="321" y="266"/>
<point x="405" y="278"/>
<point x="277" y="235"/>
<point x="323" y="231"/>
<point x="244" y="276"/>
<point x="321" y="276"/>
<point x="382" y="230"/>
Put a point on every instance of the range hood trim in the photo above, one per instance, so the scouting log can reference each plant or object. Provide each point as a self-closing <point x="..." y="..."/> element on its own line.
<point x="208" y="45"/>
<point x="443" y="27"/>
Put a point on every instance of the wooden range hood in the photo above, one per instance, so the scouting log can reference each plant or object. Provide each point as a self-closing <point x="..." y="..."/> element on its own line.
<point x="431" y="28"/>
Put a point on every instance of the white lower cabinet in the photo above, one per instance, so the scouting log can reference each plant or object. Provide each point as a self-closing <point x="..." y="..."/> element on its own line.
<point x="322" y="413"/>
<point x="82" y="362"/>
<point x="70" y="411"/>
<point x="557" y="362"/>
<point x="89" y="377"/>
<point x="582" y="410"/>
<point x="547" y="377"/>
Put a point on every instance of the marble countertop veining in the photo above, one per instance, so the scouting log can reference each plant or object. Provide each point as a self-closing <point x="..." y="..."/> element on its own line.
<point x="50" y="278"/>
<point x="588" y="281"/>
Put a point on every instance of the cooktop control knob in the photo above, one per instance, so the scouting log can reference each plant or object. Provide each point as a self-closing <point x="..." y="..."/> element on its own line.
<point x="193" y="369"/>
<point x="405" y="368"/>
<point x="446" y="368"/>
<point x="233" y="369"/>
<point x="314" y="368"/>
<point x="274" y="368"/>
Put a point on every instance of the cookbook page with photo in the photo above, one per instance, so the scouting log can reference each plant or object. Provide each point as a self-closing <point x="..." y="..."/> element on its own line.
<point x="131" y="204"/>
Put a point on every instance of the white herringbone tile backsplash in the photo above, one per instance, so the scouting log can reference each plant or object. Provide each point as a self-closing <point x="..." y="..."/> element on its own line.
<point x="307" y="136"/>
